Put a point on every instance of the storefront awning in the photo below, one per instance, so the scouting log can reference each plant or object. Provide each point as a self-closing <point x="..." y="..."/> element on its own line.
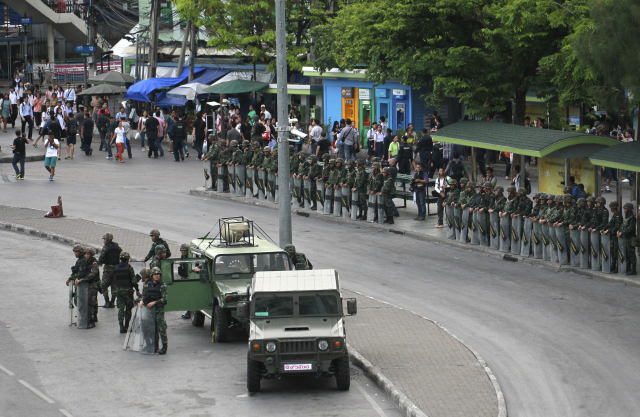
<point x="235" y="87"/>
<point x="625" y="156"/>
<point x="140" y="91"/>
<point x="164" y="101"/>
<point x="521" y="140"/>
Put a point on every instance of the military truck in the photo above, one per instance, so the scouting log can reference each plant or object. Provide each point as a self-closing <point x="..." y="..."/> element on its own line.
<point x="296" y="326"/>
<point x="217" y="272"/>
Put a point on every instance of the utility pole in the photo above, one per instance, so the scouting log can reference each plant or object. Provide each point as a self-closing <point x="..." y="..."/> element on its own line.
<point x="284" y="208"/>
<point x="154" y="23"/>
<point x="194" y="51"/>
<point x="187" y="32"/>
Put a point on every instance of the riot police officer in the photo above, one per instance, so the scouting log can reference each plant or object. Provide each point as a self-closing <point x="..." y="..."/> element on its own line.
<point x="90" y="273"/>
<point x="109" y="258"/>
<point x="154" y="294"/>
<point x="125" y="280"/>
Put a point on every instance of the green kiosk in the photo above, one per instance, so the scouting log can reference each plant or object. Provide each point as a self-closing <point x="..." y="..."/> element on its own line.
<point x="365" y="98"/>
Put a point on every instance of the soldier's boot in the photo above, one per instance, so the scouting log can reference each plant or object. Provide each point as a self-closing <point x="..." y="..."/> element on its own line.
<point x="112" y="304"/>
<point x="91" y="325"/>
<point x="123" y="329"/>
<point x="163" y="351"/>
<point x="389" y="220"/>
<point x="126" y="324"/>
<point x="314" y="207"/>
<point x="186" y="315"/>
<point x="156" y="347"/>
<point x="106" y="300"/>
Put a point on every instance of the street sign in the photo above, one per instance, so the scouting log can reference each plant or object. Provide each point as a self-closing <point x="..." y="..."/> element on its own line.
<point x="85" y="49"/>
<point x="85" y="54"/>
<point x="25" y="21"/>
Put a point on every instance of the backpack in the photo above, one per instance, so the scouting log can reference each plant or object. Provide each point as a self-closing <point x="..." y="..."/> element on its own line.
<point x="457" y="170"/>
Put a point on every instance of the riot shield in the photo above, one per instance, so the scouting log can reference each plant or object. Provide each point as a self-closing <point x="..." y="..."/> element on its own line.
<point x="594" y="251"/>
<point x="337" y="202"/>
<point x="328" y="200"/>
<point x="457" y="219"/>
<point x="494" y="230"/>
<point x="475" y="230"/>
<point x="553" y="245"/>
<point x="464" y="231"/>
<point x="516" y="235"/>
<point x="354" y="204"/>
<point x="622" y="255"/>
<point x="451" y="234"/>
<point x="504" y="234"/>
<point x="546" y="242"/>
<point x="231" y="177"/>
<point x="483" y="228"/>
<point x="306" y="193"/>
<point x="143" y="331"/>
<point x="320" y="192"/>
<point x="574" y="247"/>
<point x="72" y="289"/>
<point x="525" y="248"/>
<point x="371" y="208"/>
<point x="82" y="291"/>
<point x="584" y="249"/>
<point x="271" y="186"/>
<point x="240" y="171"/>
<point x="381" y="214"/>
<point x="250" y="175"/>
<point x="605" y="250"/>
<point x="297" y="184"/>
<point x="536" y="240"/>
<point x="262" y="180"/>
<point x="346" y="206"/>
<point x="563" y="248"/>
<point x="220" y="179"/>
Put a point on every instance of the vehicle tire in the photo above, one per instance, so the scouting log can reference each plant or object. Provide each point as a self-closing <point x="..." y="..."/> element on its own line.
<point x="253" y="375"/>
<point x="220" y="324"/>
<point x="197" y="319"/>
<point x="342" y="372"/>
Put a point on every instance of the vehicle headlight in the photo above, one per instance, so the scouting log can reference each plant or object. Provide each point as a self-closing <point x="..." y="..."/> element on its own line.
<point x="271" y="347"/>
<point x="323" y="345"/>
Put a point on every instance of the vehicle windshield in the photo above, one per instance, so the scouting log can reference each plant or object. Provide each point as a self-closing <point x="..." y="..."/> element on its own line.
<point x="274" y="306"/>
<point x="318" y="305"/>
<point x="251" y="263"/>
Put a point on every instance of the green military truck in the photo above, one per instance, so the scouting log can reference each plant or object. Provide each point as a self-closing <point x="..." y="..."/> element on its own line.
<point x="296" y="326"/>
<point x="217" y="272"/>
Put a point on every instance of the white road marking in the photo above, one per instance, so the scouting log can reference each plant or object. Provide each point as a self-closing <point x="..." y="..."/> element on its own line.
<point x="375" y="406"/>
<point x="35" y="391"/>
<point x="6" y="371"/>
<point x="65" y="413"/>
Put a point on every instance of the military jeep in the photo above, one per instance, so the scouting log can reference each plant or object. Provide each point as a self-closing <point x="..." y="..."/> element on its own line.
<point x="296" y="326"/>
<point x="216" y="274"/>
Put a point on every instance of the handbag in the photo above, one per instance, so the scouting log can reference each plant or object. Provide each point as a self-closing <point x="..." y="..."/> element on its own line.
<point x="266" y="135"/>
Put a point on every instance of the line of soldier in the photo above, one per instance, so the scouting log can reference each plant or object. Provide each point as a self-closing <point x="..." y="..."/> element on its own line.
<point x="123" y="281"/>
<point x="560" y="213"/>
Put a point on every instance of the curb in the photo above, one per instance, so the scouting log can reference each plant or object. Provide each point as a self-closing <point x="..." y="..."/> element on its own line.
<point x="586" y="273"/>
<point x="401" y="400"/>
<point x="9" y="159"/>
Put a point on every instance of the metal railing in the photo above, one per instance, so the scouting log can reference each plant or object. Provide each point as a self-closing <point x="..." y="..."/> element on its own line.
<point x="61" y="6"/>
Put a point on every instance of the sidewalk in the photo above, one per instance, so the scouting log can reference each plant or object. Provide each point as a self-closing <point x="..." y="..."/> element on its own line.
<point x="425" y="369"/>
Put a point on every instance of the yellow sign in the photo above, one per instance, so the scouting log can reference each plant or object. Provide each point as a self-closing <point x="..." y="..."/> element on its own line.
<point x="551" y="174"/>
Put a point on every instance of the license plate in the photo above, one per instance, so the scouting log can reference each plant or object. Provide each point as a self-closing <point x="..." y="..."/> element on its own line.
<point x="298" y="367"/>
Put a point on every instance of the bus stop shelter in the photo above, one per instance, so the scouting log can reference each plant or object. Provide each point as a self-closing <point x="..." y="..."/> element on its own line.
<point x="560" y="153"/>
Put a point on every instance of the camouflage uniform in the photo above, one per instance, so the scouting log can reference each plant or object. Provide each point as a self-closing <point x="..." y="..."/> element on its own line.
<point x="628" y="229"/>
<point x="213" y="156"/>
<point x="510" y="207"/>
<point x="91" y="274"/>
<point x="125" y="278"/>
<point x="326" y="168"/>
<point x="388" y="192"/>
<point x="157" y="242"/>
<point x="256" y="162"/>
<point x="600" y="216"/>
<point x="362" y="178"/>
<point x="157" y="291"/>
<point x="613" y="227"/>
<point x="300" y="261"/>
<point x="109" y="258"/>
<point x="454" y="194"/>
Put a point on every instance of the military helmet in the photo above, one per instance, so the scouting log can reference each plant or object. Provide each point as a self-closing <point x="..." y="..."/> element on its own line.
<point x="559" y="199"/>
<point x="156" y="271"/>
<point x="470" y="184"/>
<point x="255" y="145"/>
<point x="332" y="161"/>
<point x="222" y="142"/>
<point x="543" y="197"/>
<point x="291" y="149"/>
<point x="290" y="249"/>
<point x="275" y="152"/>
<point x="339" y="161"/>
<point x="511" y="189"/>
<point x="628" y="206"/>
<point x="385" y="170"/>
<point x="325" y="156"/>
<point x="375" y="159"/>
<point x="245" y="143"/>
<point x="522" y="191"/>
<point x="145" y="272"/>
<point x="184" y="246"/>
<point x="463" y="181"/>
<point x="154" y="232"/>
<point x="375" y="165"/>
<point x="360" y="162"/>
<point x="566" y="190"/>
<point x="211" y="136"/>
<point x="160" y="249"/>
<point x="313" y="158"/>
<point x="487" y="184"/>
<point x="78" y="248"/>
<point x="582" y="202"/>
<point x="125" y="255"/>
<point x="453" y="182"/>
<point x="536" y="195"/>
<point x="613" y="204"/>
<point x="234" y="143"/>
<point x="567" y="198"/>
<point x="266" y="149"/>
<point x="89" y="249"/>
<point x="351" y="162"/>
<point x="601" y="200"/>
<point x="499" y="188"/>
<point x="108" y="237"/>
<point x="591" y="199"/>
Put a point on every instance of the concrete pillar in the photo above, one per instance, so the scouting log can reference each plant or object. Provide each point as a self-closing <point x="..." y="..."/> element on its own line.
<point x="50" y="44"/>
<point x="474" y="165"/>
<point x="596" y="172"/>
<point x="567" y="171"/>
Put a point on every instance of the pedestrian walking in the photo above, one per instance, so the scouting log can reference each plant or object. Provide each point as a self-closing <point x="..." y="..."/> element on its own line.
<point x="127" y="141"/>
<point x="86" y="134"/>
<point x="5" y="105"/>
<point x="19" y="154"/>
<point x="179" y="135"/>
<point x="72" y="128"/>
<point x="141" y="129"/>
<point x="420" y="181"/>
<point x="13" y="99"/>
<point x="103" y="128"/>
<point x="151" y="127"/>
<point x="161" y="130"/>
<point x="37" y="109"/>
<point x="118" y="136"/>
<point x="26" y="115"/>
<point x="51" y="157"/>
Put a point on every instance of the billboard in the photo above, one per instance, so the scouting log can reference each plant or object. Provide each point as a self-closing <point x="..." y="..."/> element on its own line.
<point x="551" y="175"/>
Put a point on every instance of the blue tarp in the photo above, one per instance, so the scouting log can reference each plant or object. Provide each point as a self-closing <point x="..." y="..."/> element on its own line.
<point x="209" y="76"/>
<point x="164" y="101"/>
<point x="140" y="91"/>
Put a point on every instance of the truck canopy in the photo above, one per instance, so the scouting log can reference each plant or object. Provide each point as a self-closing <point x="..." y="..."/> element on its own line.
<point x="289" y="281"/>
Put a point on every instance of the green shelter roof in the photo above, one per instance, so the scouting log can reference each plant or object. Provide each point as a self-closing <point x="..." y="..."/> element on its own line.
<point x="625" y="156"/>
<point x="517" y="139"/>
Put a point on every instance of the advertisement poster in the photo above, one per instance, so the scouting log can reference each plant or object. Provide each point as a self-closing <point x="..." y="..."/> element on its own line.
<point x="551" y="173"/>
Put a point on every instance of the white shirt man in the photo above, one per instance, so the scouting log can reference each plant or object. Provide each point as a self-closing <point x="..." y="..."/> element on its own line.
<point x="26" y="110"/>
<point x="264" y="110"/>
<point x="69" y="94"/>
<point x="13" y="97"/>
<point x="440" y="183"/>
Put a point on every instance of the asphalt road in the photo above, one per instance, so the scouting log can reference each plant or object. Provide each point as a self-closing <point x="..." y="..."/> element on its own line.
<point x="559" y="344"/>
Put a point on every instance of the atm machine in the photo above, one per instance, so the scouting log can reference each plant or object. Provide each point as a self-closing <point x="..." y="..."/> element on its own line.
<point x="383" y="106"/>
<point x="350" y="104"/>
<point x="400" y="99"/>
<point x="366" y="113"/>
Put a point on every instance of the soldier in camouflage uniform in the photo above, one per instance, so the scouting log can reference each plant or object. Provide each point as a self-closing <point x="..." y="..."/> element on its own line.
<point x="485" y="203"/>
<point x="463" y="186"/>
<point x="303" y="170"/>
<point x="336" y="177"/>
<point x="612" y="229"/>
<point x="314" y="173"/>
<point x="538" y="199"/>
<point x="376" y="181"/>
<point x="144" y="276"/>
<point x="388" y="191"/>
<point x="509" y="208"/>
<point x="600" y="217"/>
<point x="523" y="207"/>
<point x="294" y="161"/>
<point x="155" y="238"/>
<point x="326" y="169"/>
<point x="161" y="254"/>
<point x="299" y="260"/>
<point x="274" y="166"/>
<point x="362" y="179"/>
<point x="90" y="273"/>
<point x="332" y="167"/>
<point x="125" y="278"/>
<point x="248" y="152"/>
<point x="569" y="214"/>
<point x="109" y="258"/>
<point x="237" y="154"/>
<point x="454" y="194"/>
<point x="268" y="162"/>
<point x="628" y="229"/>
<point x="213" y="156"/>
<point x="154" y="294"/>
<point x="78" y="251"/>
<point x="256" y="162"/>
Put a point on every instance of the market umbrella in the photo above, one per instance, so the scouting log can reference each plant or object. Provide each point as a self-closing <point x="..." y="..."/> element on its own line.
<point x="235" y="87"/>
<point x="188" y="91"/>
<point x="112" y="77"/>
<point x="103" y="90"/>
